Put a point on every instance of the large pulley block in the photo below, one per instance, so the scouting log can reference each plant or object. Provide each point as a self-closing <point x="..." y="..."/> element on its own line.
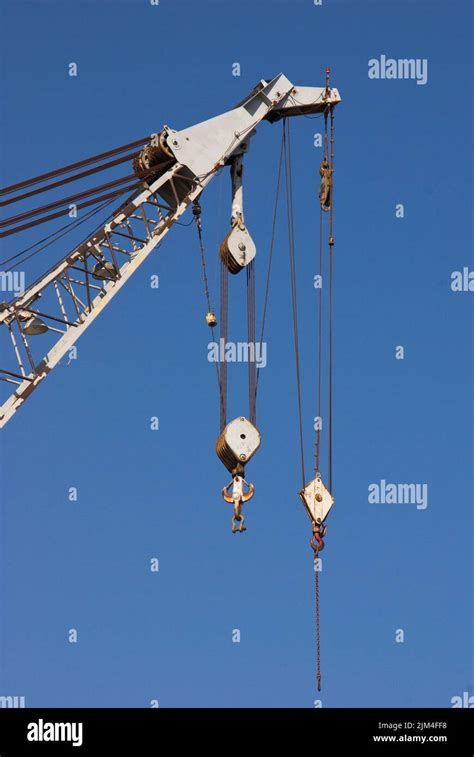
<point x="238" y="249"/>
<point x="237" y="443"/>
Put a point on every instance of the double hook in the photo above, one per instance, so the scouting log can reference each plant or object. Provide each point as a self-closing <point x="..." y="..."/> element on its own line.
<point x="237" y="498"/>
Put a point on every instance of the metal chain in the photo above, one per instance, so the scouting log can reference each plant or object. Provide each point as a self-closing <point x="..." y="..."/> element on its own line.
<point x="318" y="625"/>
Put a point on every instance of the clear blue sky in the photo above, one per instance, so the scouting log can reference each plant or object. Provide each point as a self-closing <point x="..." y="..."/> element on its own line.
<point x="85" y="564"/>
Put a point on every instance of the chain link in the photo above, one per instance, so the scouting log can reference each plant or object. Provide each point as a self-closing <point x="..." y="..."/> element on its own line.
<point x="318" y="627"/>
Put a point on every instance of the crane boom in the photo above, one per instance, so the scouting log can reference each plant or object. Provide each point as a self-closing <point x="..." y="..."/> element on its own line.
<point x="67" y="299"/>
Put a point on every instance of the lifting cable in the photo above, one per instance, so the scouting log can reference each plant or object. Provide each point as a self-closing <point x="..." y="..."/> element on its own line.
<point x="272" y="245"/>
<point x="210" y="317"/>
<point x="238" y="439"/>
<point x="320" y="321"/>
<point x="331" y="250"/>
<point x="294" y="301"/>
<point x="251" y="331"/>
<point x="224" y="328"/>
<point x="326" y="205"/>
<point x="233" y="251"/>
<point x="253" y="371"/>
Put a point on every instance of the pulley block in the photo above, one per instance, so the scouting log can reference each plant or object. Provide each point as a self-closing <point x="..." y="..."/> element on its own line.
<point x="238" y="249"/>
<point x="104" y="271"/>
<point x="237" y="443"/>
<point x="317" y="500"/>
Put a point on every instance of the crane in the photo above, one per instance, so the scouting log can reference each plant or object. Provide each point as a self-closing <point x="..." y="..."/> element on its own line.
<point x="171" y="171"/>
<point x="178" y="164"/>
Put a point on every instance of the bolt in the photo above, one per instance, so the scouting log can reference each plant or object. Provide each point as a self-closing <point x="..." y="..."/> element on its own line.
<point x="242" y="247"/>
<point x="243" y="457"/>
<point x="318" y="498"/>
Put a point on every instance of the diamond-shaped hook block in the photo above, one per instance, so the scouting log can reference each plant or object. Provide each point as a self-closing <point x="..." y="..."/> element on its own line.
<point x="317" y="500"/>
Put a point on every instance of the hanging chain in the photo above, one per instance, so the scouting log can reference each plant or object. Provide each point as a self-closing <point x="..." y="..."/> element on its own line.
<point x="318" y="624"/>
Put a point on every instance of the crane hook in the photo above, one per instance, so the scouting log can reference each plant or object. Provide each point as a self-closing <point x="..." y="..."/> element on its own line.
<point x="316" y="541"/>
<point x="237" y="498"/>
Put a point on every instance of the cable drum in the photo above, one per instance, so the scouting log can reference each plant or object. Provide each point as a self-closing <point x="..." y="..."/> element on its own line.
<point x="237" y="443"/>
<point x="153" y="155"/>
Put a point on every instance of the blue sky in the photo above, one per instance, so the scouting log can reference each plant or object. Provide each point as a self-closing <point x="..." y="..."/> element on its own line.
<point x="144" y="494"/>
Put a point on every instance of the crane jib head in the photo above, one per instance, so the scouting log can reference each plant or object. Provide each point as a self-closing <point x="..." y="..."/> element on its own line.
<point x="303" y="101"/>
<point x="206" y="146"/>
